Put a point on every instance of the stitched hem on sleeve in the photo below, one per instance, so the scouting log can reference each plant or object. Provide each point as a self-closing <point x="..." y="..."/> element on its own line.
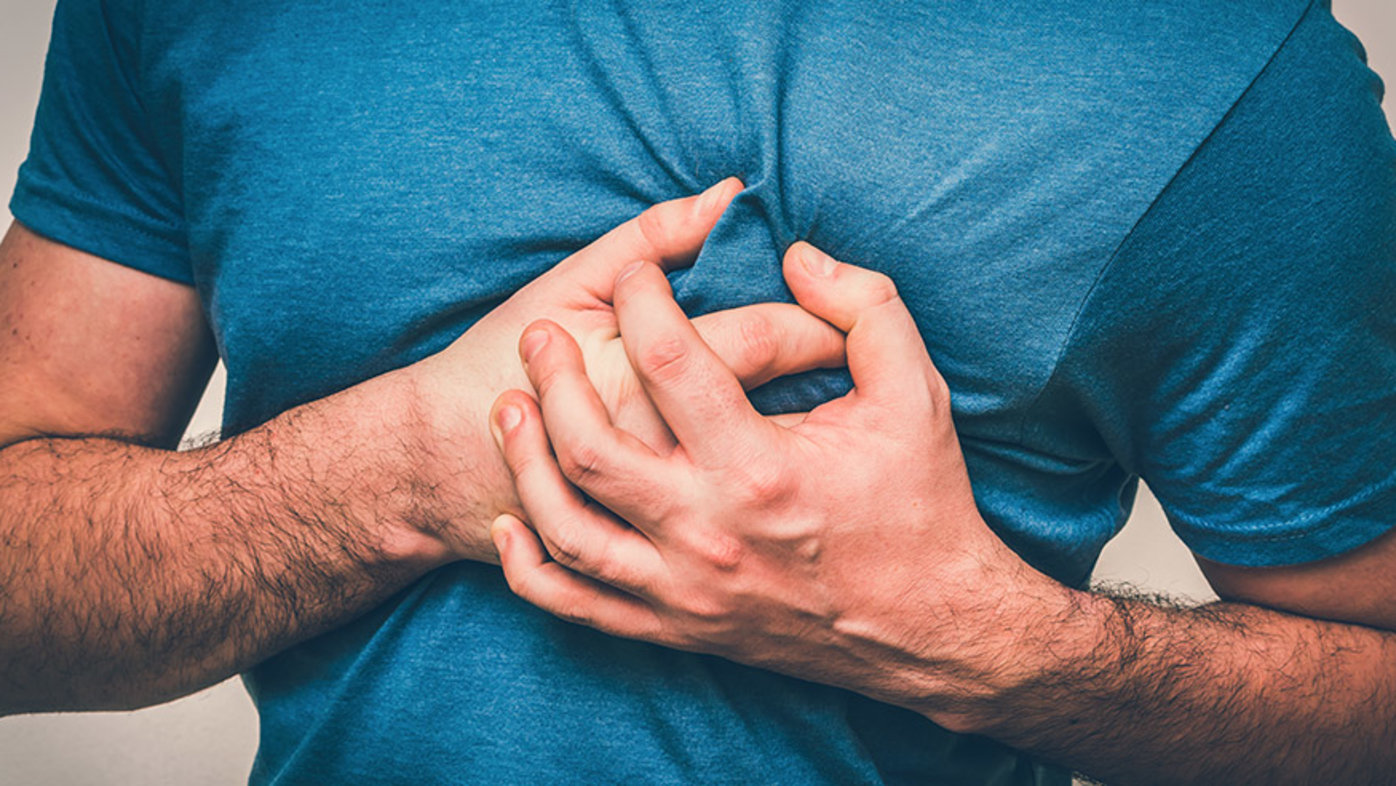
<point x="144" y="245"/>
<point x="1327" y="533"/>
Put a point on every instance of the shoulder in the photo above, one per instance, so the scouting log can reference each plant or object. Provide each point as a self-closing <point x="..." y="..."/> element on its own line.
<point x="1238" y="351"/>
<point x="1291" y="198"/>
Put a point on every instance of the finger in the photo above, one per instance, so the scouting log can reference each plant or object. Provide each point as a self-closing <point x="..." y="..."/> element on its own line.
<point x="563" y="593"/>
<point x="578" y="534"/>
<point x="886" y="355"/>
<point x="699" y="397"/>
<point x="611" y="466"/>
<point x="768" y="340"/>
<point x="669" y="234"/>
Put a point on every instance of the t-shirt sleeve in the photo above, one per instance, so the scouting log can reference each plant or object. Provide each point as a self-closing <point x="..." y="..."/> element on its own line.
<point x="1239" y="351"/>
<point x="95" y="178"/>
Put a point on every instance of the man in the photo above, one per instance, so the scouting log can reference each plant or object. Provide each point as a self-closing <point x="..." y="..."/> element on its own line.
<point x="1086" y="268"/>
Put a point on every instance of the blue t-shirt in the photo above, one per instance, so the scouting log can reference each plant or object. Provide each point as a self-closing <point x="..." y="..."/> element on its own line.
<point x="1142" y="240"/>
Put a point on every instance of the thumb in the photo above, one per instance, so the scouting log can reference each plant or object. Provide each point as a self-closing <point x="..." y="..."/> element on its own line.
<point x="669" y="234"/>
<point x="886" y="356"/>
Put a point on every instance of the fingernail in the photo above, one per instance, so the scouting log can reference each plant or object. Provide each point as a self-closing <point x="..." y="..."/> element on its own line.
<point x="533" y="341"/>
<point x="509" y="417"/>
<point x="817" y="262"/>
<point x="708" y="199"/>
<point x="629" y="270"/>
<point x="499" y="533"/>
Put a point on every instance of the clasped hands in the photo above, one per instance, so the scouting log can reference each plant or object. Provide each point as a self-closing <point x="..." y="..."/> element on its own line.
<point x="841" y="545"/>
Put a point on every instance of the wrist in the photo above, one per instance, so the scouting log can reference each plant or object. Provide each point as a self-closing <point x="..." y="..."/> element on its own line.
<point x="359" y="456"/>
<point x="414" y="487"/>
<point x="454" y="481"/>
<point x="1065" y="650"/>
<point x="1028" y="634"/>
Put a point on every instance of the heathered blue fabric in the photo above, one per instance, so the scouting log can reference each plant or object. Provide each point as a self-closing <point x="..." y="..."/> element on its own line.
<point x="1149" y="240"/>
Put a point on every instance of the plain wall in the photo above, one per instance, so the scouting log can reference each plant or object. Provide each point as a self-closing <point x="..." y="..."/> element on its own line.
<point x="208" y="739"/>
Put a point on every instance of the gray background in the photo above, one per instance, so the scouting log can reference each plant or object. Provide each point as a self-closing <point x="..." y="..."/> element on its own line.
<point x="209" y="738"/>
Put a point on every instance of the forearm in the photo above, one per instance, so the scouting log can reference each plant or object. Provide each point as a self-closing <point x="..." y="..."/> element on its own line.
<point x="130" y="575"/>
<point x="1130" y="691"/>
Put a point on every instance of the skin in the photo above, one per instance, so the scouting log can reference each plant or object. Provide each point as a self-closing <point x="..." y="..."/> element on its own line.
<point x="843" y="546"/>
<point x="131" y="573"/>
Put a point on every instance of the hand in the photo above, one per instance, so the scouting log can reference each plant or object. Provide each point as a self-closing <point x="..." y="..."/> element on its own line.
<point x="468" y="482"/>
<point x="842" y="546"/>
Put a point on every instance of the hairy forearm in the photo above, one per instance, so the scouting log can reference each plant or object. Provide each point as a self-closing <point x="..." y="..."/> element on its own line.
<point x="1133" y="691"/>
<point x="130" y="575"/>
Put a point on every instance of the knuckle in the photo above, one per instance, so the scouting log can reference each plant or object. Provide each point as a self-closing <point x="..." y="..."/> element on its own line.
<point x="564" y="546"/>
<point x="939" y="391"/>
<point x="653" y="229"/>
<point x="611" y="572"/>
<point x="515" y="581"/>
<point x="664" y="359"/>
<point x="580" y="461"/>
<point x="608" y="568"/>
<point x="617" y="574"/>
<point x="573" y="610"/>
<point x="705" y="607"/>
<point x="723" y="552"/>
<point x="521" y="462"/>
<point x="881" y="288"/>
<point x="761" y="483"/>
<point x="758" y="341"/>
<point x="545" y="377"/>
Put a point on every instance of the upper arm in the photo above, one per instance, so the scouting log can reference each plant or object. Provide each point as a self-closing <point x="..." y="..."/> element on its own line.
<point x="88" y="346"/>
<point x="91" y="347"/>
<point x="1240" y="353"/>
<point x="1358" y="586"/>
<point x="1281" y="446"/>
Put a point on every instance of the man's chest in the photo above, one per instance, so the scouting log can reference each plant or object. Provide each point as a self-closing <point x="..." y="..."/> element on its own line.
<point x="361" y="183"/>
